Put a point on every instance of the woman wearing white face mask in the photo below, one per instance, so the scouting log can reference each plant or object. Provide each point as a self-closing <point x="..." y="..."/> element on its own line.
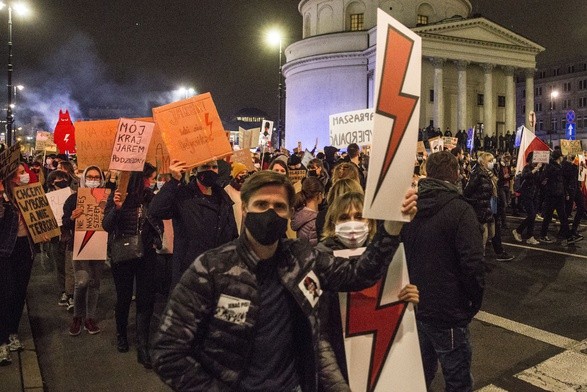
<point x="16" y="261"/>
<point x="345" y="228"/>
<point x="86" y="273"/>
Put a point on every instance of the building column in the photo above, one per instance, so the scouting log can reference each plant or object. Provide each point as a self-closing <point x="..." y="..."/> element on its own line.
<point x="488" y="109"/>
<point x="438" y="93"/>
<point x="529" y="96"/>
<point x="462" y="96"/>
<point x="510" y="100"/>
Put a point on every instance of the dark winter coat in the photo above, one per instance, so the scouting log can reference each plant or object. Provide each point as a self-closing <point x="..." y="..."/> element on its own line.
<point x="529" y="182"/>
<point x="304" y="223"/>
<point x="478" y="192"/>
<point x="444" y="252"/>
<point x="198" y="223"/>
<point x="195" y="350"/>
<point x="8" y="227"/>
<point x="552" y="177"/>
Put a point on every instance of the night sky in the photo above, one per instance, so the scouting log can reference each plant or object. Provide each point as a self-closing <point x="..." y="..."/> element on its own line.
<point x="132" y="55"/>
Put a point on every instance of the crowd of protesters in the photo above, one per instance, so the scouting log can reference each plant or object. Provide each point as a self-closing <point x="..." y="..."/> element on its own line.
<point x="238" y="317"/>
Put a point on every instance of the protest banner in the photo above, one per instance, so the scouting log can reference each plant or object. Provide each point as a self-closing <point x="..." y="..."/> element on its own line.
<point x="44" y="142"/>
<point x="157" y="154"/>
<point x="396" y="118"/>
<point x="380" y="336"/>
<point x="265" y="133"/>
<point x="297" y="175"/>
<point x="351" y="127"/>
<point x="571" y="147"/>
<point x="248" y="138"/>
<point x="307" y="158"/>
<point x="90" y="239"/>
<point x="245" y="157"/>
<point x="449" y="142"/>
<point x="131" y="143"/>
<point x="192" y="130"/>
<point x="37" y="213"/>
<point x="56" y="201"/>
<point x="436" y="144"/>
<point x="541" y="157"/>
<point x="9" y="160"/>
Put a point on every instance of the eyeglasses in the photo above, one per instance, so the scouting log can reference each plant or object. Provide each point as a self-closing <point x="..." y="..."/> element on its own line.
<point x="208" y="167"/>
<point x="97" y="178"/>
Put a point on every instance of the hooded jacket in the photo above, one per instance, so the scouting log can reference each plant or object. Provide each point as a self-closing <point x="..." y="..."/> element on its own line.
<point x="478" y="192"/>
<point x="196" y="349"/>
<point x="304" y="223"/>
<point x="444" y="252"/>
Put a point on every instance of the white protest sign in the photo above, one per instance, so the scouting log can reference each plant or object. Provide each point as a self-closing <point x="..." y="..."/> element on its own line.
<point x="396" y="118"/>
<point x="540" y="156"/>
<point x="436" y="144"/>
<point x="307" y="158"/>
<point x="380" y="335"/>
<point x="56" y="201"/>
<point x="131" y="145"/>
<point x="265" y="133"/>
<point x="89" y="245"/>
<point x="351" y="127"/>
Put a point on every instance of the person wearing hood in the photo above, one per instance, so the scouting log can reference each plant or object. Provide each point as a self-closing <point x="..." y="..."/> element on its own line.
<point x="451" y="277"/>
<point x="306" y="206"/>
<point x="239" y="174"/>
<point x="87" y="273"/>
<point x="201" y="213"/>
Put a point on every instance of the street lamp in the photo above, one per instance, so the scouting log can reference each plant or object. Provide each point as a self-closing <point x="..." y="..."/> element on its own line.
<point x="186" y="92"/>
<point x="23" y="10"/>
<point x="553" y="95"/>
<point x="275" y="38"/>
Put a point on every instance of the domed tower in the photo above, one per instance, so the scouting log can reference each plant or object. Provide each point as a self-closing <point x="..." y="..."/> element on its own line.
<point x="331" y="70"/>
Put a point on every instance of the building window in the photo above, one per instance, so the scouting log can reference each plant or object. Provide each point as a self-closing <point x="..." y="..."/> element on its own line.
<point x="579" y="122"/>
<point x="501" y="101"/>
<point x="480" y="99"/>
<point x="553" y="124"/>
<point x="542" y="74"/>
<point x="567" y="103"/>
<point x="431" y="95"/>
<point x="541" y="125"/>
<point x="538" y="107"/>
<point x="357" y="22"/>
<point x="570" y="69"/>
<point x="422" y="20"/>
<point x="583" y="102"/>
<point x="567" y="86"/>
<point x="583" y="84"/>
<point x="538" y="91"/>
<point x="556" y="72"/>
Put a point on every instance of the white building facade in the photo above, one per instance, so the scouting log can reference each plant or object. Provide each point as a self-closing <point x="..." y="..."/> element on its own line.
<point x="468" y="66"/>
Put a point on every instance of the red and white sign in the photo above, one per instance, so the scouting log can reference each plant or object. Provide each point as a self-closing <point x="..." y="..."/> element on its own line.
<point x="528" y="144"/>
<point x="397" y="114"/>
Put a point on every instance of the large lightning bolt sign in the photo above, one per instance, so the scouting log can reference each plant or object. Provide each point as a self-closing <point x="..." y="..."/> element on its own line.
<point x="392" y="102"/>
<point x="87" y="236"/>
<point x="66" y="137"/>
<point x="366" y="316"/>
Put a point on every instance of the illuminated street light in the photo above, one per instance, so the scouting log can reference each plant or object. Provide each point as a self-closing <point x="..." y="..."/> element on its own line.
<point x="186" y="92"/>
<point x="275" y="38"/>
<point x="20" y="9"/>
<point x="553" y="95"/>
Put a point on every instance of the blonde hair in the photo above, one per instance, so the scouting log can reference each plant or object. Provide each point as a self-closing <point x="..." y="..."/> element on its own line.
<point x="345" y="170"/>
<point x="485" y="156"/>
<point x="342" y="186"/>
<point x="341" y="205"/>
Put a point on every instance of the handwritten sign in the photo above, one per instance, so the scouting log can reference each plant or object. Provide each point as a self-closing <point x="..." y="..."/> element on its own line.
<point x="192" y="130"/>
<point x="571" y="147"/>
<point x="37" y="213"/>
<point x="44" y="142"/>
<point x="9" y="160"/>
<point x="266" y="132"/>
<point x="93" y="202"/>
<point x="248" y="138"/>
<point x="297" y="175"/>
<point x="450" y="142"/>
<point x="436" y="144"/>
<point x="351" y="127"/>
<point x="245" y="157"/>
<point x="541" y="156"/>
<point x="56" y="201"/>
<point x="131" y="144"/>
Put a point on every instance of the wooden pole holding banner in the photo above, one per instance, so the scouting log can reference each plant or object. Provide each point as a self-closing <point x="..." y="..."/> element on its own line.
<point x="123" y="179"/>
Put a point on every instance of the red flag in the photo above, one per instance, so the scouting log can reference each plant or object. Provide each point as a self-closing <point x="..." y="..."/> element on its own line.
<point x="64" y="134"/>
<point x="530" y="142"/>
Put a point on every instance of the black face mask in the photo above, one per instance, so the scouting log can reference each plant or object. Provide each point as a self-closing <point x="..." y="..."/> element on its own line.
<point x="207" y="178"/>
<point x="61" y="184"/>
<point x="266" y="227"/>
<point x="312" y="173"/>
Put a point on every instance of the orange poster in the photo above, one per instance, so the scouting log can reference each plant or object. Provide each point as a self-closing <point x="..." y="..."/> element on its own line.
<point x="192" y="130"/>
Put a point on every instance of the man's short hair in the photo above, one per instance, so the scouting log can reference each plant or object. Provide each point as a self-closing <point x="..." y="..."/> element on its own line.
<point x="442" y="166"/>
<point x="265" y="178"/>
<point x="353" y="150"/>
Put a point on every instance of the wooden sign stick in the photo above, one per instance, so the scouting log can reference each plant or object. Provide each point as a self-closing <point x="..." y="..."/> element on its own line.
<point x="123" y="179"/>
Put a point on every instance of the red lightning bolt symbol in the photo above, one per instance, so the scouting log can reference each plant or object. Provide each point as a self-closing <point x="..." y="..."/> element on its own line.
<point x="392" y="102"/>
<point x="87" y="236"/>
<point x="366" y="316"/>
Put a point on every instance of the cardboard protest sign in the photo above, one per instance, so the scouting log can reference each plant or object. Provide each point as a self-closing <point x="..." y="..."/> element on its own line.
<point x="297" y="175"/>
<point x="450" y="142"/>
<point x="157" y="153"/>
<point x="307" y="158"/>
<point x="571" y="147"/>
<point x="380" y="335"/>
<point x="92" y="201"/>
<point x="351" y="127"/>
<point x="245" y="157"/>
<point x="131" y="144"/>
<point x="9" y="160"/>
<point x="395" y="123"/>
<point x="192" y="130"/>
<point x="56" y="201"/>
<point x="37" y="213"/>
<point x="541" y="157"/>
<point x="44" y="142"/>
<point x="436" y="144"/>
<point x="265" y="133"/>
<point x="248" y="138"/>
<point x="90" y="245"/>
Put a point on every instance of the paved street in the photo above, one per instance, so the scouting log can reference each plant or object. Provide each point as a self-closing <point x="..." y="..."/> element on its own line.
<point x="530" y="336"/>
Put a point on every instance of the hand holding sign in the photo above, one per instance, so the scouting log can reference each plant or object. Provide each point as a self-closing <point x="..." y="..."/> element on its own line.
<point x="177" y="169"/>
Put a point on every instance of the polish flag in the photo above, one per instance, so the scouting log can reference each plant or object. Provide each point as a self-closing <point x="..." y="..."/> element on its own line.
<point x="528" y="144"/>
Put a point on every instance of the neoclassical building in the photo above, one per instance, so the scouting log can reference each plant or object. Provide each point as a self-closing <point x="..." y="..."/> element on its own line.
<point x="468" y="65"/>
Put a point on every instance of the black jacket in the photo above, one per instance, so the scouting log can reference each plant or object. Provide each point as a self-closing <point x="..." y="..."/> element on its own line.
<point x="444" y="252"/>
<point x="529" y="182"/>
<point x="197" y="349"/>
<point x="553" y="181"/>
<point x="478" y="192"/>
<point x="198" y="224"/>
